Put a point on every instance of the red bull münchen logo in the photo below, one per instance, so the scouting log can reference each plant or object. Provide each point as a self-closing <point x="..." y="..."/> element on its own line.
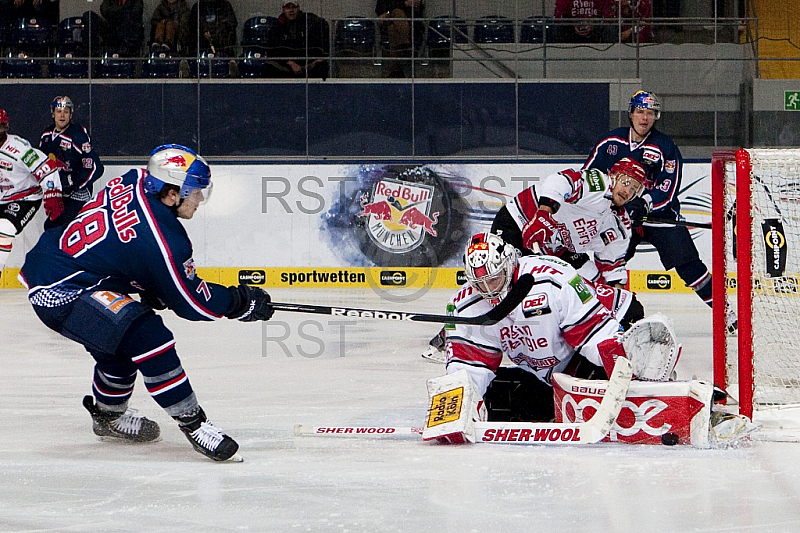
<point x="399" y="215"/>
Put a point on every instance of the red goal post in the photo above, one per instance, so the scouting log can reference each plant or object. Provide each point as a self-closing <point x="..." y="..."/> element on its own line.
<point x="756" y="243"/>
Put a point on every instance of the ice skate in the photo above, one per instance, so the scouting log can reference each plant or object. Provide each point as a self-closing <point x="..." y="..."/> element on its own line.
<point x="435" y="352"/>
<point x="727" y="429"/>
<point x="207" y="438"/>
<point x="125" y="426"/>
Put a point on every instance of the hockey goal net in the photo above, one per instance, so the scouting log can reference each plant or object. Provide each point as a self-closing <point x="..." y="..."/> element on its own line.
<point x="756" y="241"/>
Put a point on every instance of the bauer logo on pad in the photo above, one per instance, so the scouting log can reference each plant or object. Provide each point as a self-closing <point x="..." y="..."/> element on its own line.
<point x="445" y="407"/>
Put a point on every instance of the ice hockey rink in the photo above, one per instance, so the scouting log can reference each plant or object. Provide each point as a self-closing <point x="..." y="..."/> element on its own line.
<point x="258" y="380"/>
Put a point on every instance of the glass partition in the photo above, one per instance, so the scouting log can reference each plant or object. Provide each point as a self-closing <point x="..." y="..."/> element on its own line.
<point x="361" y="78"/>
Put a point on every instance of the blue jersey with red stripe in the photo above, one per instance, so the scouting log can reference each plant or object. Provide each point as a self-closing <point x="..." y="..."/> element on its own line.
<point x="124" y="240"/>
<point x="658" y="154"/>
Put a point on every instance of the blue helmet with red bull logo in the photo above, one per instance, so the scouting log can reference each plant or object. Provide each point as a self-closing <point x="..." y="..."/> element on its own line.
<point x="61" y="101"/>
<point x="178" y="165"/>
<point x="645" y="100"/>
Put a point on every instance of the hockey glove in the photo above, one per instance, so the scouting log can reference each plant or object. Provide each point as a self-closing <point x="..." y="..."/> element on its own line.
<point x="152" y="299"/>
<point x="249" y="304"/>
<point x="538" y="232"/>
<point x="53" y="203"/>
<point x="638" y="208"/>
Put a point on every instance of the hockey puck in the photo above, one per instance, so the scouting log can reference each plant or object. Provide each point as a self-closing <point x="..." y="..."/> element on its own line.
<point x="669" y="439"/>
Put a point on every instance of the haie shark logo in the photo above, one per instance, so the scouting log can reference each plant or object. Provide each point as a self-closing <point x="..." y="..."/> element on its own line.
<point x="398" y="215"/>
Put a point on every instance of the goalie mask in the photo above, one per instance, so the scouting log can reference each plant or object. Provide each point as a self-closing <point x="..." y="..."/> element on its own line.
<point x="178" y="165"/>
<point x="645" y="100"/>
<point x="490" y="265"/>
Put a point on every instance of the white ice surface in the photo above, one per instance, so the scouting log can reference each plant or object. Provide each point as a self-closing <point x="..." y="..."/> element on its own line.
<point x="56" y="476"/>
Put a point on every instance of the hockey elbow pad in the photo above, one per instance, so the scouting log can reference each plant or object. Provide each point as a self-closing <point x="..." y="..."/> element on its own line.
<point x="249" y="304"/>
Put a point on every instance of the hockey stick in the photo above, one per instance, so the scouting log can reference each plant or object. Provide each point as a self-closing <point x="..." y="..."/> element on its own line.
<point x="674" y="222"/>
<point x="515" y="296"/>
<point x="564" y="433"/>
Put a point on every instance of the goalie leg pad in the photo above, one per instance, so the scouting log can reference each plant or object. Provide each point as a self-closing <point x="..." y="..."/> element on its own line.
<point x="652" y="348"/>
<point x="455" y="406"/>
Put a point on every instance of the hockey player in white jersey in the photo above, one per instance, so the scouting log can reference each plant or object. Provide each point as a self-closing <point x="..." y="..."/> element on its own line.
<point x="26" y="176"/>
<point x="558" y="318"/>
<point x="558" y="327"/>
<point x="571" y="214"/>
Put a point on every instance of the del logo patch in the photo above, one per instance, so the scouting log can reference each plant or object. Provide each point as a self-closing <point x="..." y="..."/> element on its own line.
<point x="446" y="407"/>
<point x="651" y="156"/>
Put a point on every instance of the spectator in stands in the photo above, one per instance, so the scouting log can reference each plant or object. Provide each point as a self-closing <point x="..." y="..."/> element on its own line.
<point x="398" y="32"/>
<point x="581" y="9"/>
<point x="303" y="37"/>
<point x="630" y="30"/>
<point x="215" y="30"/>
<point x="124" y="30"/>
<point x="169" y="27"/>
<point x="46" y="9"/>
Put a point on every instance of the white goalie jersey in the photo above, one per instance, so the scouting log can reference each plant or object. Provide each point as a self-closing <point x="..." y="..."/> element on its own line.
<point x="587" y="221"/>
<point x="23" y="169"/>
<point x="559" y="317"/>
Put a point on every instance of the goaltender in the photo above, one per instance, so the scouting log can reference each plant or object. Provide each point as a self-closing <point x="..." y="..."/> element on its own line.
<point x="559" y="327"/>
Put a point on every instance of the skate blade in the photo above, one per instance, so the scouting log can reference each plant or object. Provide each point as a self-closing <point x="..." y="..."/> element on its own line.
<point x="235" y="458"/>
<point x="434" y="356"/>
<point x="122" y="440"/>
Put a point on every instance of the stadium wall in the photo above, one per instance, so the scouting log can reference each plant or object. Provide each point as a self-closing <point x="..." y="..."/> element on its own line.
<point x="369" y="225"/>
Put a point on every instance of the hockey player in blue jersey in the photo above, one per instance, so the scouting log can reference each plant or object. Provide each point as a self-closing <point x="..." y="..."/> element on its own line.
<point x="69" y="143"/>
<point x="128" y="239"/>
<point x="664" y="165"/>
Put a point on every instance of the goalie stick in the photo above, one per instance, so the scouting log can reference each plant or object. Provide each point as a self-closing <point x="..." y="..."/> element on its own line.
<point x="590" y="432"/>
<point x="519" y="290"/>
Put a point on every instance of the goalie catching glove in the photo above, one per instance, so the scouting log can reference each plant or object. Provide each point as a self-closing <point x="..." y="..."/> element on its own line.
<point x="249" y="304"/>
<point x="651" y="347"/>
<point x="539" y="231"/>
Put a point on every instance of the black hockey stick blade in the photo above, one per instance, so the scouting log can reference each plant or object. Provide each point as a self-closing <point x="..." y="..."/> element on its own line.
<point x="518" y="292"/>
<point x="674" y="222"/>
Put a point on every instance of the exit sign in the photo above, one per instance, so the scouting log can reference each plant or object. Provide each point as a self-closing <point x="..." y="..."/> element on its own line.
<point x="791" y="100"/>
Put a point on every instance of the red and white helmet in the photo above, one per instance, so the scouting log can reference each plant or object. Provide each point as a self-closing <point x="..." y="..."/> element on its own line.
<point x="631" y="168"/>
<point x="490" y="264"/>
<point x="3" y="119"/>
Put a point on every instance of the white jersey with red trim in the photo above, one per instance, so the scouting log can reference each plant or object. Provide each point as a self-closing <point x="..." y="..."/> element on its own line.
<point x="588" y="221"/>
<point x="559" y="317"/>
<point x="23" y="168"/>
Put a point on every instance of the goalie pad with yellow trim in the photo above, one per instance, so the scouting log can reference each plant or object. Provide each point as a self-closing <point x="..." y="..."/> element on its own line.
<point x="454" y="407"/>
